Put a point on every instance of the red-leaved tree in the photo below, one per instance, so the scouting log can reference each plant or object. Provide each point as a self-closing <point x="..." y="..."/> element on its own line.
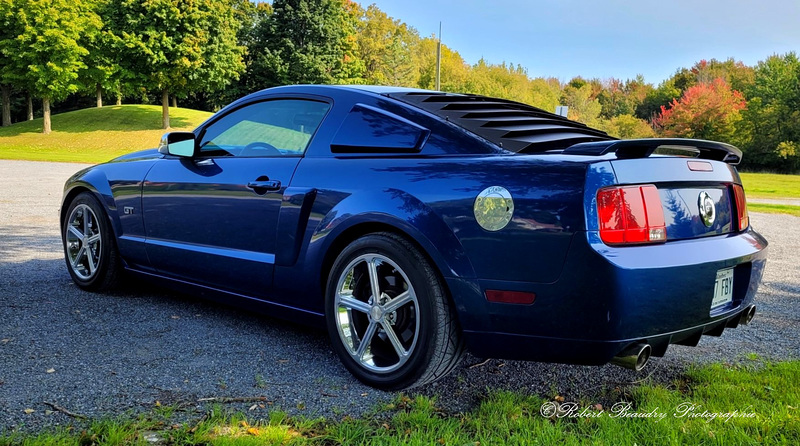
<point x="705" y="111"/>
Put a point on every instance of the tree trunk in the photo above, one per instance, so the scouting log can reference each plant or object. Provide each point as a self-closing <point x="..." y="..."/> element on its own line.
<point x="30" y="106"/>
<point x="119" y="99"/>
<point x="174" y="102"/>
<point x="46" y="115"/>
<point x="6" y="105"/>
<point x="165" y="109"/>
<point x="99" y="96"/>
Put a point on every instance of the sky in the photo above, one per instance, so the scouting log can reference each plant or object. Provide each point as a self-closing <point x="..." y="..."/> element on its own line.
<point x="605" y="38"/>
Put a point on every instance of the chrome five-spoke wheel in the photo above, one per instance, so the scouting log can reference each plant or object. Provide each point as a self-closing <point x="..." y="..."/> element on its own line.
<point x="377" y="314"/>
<point x="89" y="246"/>
<point x="388" y="314"/>
<point x="83" y="242"/>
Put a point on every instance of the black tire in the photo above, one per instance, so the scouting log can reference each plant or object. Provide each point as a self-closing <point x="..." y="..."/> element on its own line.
<point x="93" y="261"/>
<point x="424" y="328"/>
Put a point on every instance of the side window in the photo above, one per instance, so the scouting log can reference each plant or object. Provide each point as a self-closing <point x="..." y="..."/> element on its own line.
<point x="279" y="127"/>
<point x="370" y="130"/>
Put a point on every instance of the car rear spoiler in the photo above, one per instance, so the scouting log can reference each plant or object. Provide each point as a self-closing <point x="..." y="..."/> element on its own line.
<point x="642" y="148"/>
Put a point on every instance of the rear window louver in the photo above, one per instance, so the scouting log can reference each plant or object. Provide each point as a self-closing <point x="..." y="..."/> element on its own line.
<point x="511" y="125"/>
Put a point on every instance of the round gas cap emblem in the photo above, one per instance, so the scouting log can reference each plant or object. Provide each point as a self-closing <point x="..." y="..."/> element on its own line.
<point x="494" y="208"/>
<point x="707" y="209"/>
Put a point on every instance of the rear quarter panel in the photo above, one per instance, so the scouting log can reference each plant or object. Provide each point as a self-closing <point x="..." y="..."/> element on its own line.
<point x="431" y="200"/>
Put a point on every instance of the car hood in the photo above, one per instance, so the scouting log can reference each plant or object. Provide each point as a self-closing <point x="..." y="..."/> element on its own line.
<point x="140" y="155"/>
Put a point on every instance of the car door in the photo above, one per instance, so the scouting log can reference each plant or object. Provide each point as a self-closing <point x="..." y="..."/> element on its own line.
<point x="211" y="219"/>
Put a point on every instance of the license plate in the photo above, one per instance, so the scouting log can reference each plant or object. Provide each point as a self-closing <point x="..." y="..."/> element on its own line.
<point x="723" y="288"/>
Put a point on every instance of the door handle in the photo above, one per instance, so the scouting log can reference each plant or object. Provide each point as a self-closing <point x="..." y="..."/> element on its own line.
<point x="261" y="187"/>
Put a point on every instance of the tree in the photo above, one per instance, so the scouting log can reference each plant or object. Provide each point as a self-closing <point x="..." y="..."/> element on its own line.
<point x="545" y="93"/>
<point x="627" y="127"/>
<point x="50" y="49"/>
<point x="307" y="42"/>
<point x="655" y="99"/>
<point x="502" y="81"/>
<point x="705" y="111"/>
<point x="454" y="72"/>
<point x="583" y="106"/>
<point x="622" y="98"/>
<point x="738" y="75"/>
<point x="101" y="61"/>
<point x="10" y="70"/>
<point x="773" y="114"/>
<point x="178" y="45"/>
<point x="387" y="48"/>
<point x="254" y="20"/>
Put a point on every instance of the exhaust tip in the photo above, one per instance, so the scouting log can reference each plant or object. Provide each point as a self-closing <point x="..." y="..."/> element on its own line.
<point x="634" y="357"/>
<point x="748" y="315"/>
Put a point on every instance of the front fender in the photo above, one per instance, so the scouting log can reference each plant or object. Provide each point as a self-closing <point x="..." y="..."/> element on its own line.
<point x="95" y="181"/>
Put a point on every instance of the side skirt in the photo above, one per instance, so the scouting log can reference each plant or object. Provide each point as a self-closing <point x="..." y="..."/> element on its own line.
<point x="292" y="314"/>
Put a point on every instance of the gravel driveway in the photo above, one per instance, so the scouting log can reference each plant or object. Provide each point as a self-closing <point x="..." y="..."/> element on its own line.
<point x="115" y="354"/>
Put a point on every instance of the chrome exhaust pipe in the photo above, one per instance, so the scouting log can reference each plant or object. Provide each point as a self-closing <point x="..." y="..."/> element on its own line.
<point x="634" y="357"/>
<point x="748" y="315"/>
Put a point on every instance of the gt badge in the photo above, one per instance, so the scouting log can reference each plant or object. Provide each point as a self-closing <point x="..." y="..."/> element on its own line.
<point x="494" y="208"/>
<point x="707" y="209"/>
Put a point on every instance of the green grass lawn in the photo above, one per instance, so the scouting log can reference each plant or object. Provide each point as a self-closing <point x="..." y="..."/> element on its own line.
<point x="771" y="185"/>
<point x="93" y="135"/>
<point x="751" y="403"/>
<point x="769" y="208"/>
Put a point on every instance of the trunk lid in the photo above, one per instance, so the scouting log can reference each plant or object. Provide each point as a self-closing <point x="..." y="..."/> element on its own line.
<point x="696" y="203"/>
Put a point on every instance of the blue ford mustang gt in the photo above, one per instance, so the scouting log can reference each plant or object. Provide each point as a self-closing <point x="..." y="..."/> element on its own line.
<point x="416" y="225"/>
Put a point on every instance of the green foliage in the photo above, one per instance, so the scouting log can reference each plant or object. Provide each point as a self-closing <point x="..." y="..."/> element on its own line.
<point x="773" y="115"/>
<point x="10" y="28"/>
<point x="582" y="101"/>
<point x="177" y="46"/>
<point x="307" y="42"/>
<point x="454" y="72"/>
<point x="50" y="46"/>
<point x="627" y="127"/>
<point x="388" y="49"/>
<point x="622" y="98"/>
<point x="655" y="99"/>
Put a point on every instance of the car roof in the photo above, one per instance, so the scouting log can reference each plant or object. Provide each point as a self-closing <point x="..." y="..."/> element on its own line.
<point x="375" y="89"/>
<point x="511" y="125"/>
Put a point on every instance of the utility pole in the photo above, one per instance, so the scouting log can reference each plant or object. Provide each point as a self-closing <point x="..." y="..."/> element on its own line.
<point x="439" y="60"/>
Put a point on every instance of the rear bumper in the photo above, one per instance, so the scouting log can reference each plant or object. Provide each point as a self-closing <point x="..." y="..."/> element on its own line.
<point x="608" y="298"/>
<point x="587" y="352"/>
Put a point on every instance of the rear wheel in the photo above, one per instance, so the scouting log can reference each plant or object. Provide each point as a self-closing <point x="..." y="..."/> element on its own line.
<point x="388" y="316"/>
<point x="89" y="246"/>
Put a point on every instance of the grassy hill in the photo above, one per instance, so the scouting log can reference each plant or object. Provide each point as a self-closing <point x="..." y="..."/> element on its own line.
<point x="93" y="135"/>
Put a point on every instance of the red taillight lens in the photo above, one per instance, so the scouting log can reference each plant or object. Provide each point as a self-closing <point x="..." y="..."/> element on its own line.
<point x="631" y="215"/>
<point x="741" y="207"/>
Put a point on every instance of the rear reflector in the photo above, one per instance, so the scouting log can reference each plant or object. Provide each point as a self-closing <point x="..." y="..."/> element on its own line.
<point x="741" y="207"/>
<point x="510" y="297"/>
<point x="631" y="215"/>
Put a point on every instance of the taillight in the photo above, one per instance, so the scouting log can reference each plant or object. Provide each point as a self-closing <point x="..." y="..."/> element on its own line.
<point x="741" y="207"/>
<point x="631" y="215"/>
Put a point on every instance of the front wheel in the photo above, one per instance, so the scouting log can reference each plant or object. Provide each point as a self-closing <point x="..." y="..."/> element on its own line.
<point x="89" y="246"/>
<point x="388" y="316"/>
